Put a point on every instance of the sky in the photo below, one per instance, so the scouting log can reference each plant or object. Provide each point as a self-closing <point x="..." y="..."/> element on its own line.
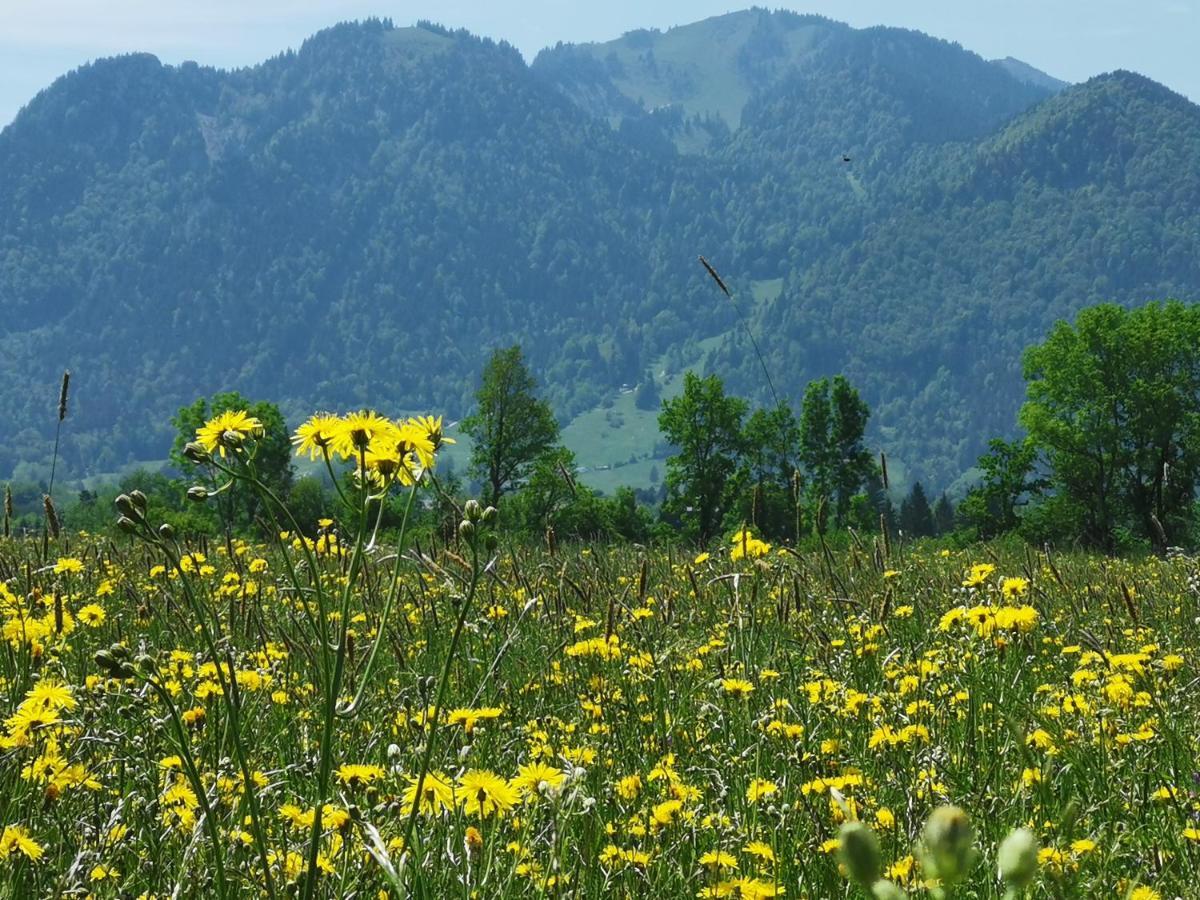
<point x="1071" y="39"/>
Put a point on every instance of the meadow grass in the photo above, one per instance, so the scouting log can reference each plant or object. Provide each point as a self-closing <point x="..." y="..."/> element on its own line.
<point x="592" y="721"/>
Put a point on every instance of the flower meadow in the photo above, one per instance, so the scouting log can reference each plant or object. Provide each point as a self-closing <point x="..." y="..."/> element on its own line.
<point x="332" y="714"/>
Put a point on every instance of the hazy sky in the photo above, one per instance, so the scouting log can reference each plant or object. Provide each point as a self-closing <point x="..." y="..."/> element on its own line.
<point x="1071" y="39"/>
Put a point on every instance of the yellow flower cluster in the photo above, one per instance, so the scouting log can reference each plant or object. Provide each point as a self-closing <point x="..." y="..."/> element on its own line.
<point x="386" y="450"/>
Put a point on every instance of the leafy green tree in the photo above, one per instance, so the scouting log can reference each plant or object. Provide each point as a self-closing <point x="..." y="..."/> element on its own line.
<point x="771" y="438"/>
<point x="816" y="450"/>
<point x="311" y="501"/>
<point x="1007" y="484"/>
<point x="1113" y="405"/>
<point x="849" y="424"/>
<point x="833" y="420"/>
<point x="916" y="516"/>
<point x="625" y="517"/>
<point x="549" y="487"/>
<point x="705" y="427"/>
<point x="272" y="458"/>
<point x="511" y="427"/>
<point x="647" y="396"/>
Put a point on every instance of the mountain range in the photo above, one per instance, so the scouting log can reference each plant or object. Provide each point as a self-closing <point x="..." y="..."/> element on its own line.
<point x="359" y="222"/>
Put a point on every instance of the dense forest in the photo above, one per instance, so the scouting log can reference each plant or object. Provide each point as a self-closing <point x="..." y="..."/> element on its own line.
<point x="364" y="220"/>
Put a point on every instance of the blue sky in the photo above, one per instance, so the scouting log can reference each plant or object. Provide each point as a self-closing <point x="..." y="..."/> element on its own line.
<point x="1071" y="39"/>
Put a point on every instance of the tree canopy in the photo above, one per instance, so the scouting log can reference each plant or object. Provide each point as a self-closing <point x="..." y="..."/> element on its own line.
<point x="511" y="426"/>
<point x="1114" y="408"/>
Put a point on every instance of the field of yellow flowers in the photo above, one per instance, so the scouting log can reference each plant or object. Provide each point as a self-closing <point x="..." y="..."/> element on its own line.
<point x="337" y="716"/>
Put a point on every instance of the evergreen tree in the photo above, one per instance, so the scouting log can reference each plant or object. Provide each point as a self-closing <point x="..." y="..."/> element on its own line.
<point x="943" y="515"/>
<point x="916" y="517"/>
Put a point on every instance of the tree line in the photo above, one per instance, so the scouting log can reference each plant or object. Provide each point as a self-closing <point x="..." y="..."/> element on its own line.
<point x="1109" y="460"/>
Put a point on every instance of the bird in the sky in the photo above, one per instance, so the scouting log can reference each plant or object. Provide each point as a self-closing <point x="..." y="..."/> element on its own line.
<point x="845" y="158"/>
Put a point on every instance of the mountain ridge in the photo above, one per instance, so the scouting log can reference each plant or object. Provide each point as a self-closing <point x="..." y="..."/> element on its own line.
<point x="360" y="220"/>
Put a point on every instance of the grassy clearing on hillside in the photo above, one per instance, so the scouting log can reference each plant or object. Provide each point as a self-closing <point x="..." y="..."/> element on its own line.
<point x="615" y="719"/>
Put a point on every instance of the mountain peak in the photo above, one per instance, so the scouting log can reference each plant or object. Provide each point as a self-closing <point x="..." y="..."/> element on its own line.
<point x="706" y="68"/>
<point x="1028" y="74"/>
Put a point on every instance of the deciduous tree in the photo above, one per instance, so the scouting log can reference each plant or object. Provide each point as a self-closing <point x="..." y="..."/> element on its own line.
<point x="705" y="426"/>
<point x="511" y="426"/>
<point x="1113" y="406"/>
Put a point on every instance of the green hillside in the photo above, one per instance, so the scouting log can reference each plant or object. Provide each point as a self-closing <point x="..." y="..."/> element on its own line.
<point x="361" y="222"/>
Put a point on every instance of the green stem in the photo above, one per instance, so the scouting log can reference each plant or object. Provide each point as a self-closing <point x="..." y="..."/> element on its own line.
<point x="189" y="763"/>
<point x="325" y="766"/>
<point x="353" y="708"/>
<point x="439" y="698"/>
<point x="232" y="697"/>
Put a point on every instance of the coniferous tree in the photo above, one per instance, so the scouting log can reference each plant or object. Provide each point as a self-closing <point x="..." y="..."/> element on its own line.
<point x="943" y="515"/>
<point x="916" y="517"/>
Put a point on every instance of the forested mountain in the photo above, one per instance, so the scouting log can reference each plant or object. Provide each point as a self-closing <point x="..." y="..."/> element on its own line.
<point x="364" y="219"/>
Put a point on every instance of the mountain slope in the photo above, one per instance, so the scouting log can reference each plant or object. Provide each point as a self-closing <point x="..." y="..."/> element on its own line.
<point x="305" y="240"/>
<point x="361" y="221"/>
<point x="1023" y="71"/>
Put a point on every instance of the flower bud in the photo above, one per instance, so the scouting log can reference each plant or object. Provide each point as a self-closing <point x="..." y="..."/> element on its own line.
<point x="473" y="511"/>
<point x="489" y="515"/>
<point x="127" y="525"/>
<point x="858" y="851"/>
<point x="197" y="493"/>
<point x="1019" y="858"/>
<point x="887" y="890"/>
<point x="949" y="850"/>
<point x="490" y="541"/>
<point x="166" y="532"/>
<point x="466" y="529"/>
<point x="138" y="499"/>
<point x="124" y="505"/>
<point x="196" y="452"/>
<point x="232" y="439"/>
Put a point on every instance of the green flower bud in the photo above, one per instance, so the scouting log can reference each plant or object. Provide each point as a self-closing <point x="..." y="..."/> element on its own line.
<point x="138" y="499"/>
<point x="473" y="511"/>
<point x="1019" y="858"/>
<point x="466" y="529"/>
<point x="489" y="515"/>
<point x="887" y="890"/>
<point x="127" y="525"/>
<point x="232" y="439"/>
<point x="166" y="532"/>
<point x="949" y="851"/>
<point x="195" y="452"/>
<point x="858" y="851"/>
